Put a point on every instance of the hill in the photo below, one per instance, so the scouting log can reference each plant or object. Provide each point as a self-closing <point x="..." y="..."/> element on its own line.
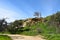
<point x="48" y="26"/>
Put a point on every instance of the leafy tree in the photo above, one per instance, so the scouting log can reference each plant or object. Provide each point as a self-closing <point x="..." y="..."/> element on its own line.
<point x="3" y="25"/>
<point x="16" y="27"/>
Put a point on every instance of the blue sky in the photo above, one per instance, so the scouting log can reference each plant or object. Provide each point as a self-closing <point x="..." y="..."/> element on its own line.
<point x="20" y="9"/>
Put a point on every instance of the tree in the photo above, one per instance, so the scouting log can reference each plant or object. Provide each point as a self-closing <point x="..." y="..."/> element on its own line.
<point x="37" y="14"/>
<point x="3" y="25"/>
<point x="16" y="27"/>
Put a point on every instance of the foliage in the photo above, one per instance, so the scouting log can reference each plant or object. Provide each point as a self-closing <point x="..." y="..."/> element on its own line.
<point x="50" y="25"/>
<point x="3" y="25"/>
<point x="5" y="37"/>
<point x="54" y="21"/>
<point x="52" y="36"/>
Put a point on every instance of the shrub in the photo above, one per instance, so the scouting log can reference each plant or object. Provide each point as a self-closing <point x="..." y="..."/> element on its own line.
<point x="5" y="37"/>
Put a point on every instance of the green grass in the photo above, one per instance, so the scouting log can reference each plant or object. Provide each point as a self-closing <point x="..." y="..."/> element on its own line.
<point x="5" y="37"/>
<point x="52" y="36"/>
<point x="49" y="32"/>
<point x="30" y="33"/>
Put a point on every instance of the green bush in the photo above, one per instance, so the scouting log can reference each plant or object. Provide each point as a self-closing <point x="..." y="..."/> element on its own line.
<point x="52" y="36"/>
<point x="5" y="37"/>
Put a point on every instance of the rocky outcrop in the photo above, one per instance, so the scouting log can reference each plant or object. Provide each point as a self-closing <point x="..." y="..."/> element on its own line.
<point x="32" y="21"/>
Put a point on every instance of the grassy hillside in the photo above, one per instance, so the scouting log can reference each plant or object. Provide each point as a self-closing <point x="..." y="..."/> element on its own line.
<point x="48" y="26"/>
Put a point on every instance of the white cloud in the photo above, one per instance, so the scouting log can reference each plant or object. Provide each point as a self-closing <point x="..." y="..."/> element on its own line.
<point x="9" y="14"/>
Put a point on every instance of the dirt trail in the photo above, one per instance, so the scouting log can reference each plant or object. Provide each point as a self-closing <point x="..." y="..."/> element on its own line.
<point x="23" y="37"/>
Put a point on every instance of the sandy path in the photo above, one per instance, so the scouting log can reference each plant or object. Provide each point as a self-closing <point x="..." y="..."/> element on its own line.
<point x="23" y="37"/>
